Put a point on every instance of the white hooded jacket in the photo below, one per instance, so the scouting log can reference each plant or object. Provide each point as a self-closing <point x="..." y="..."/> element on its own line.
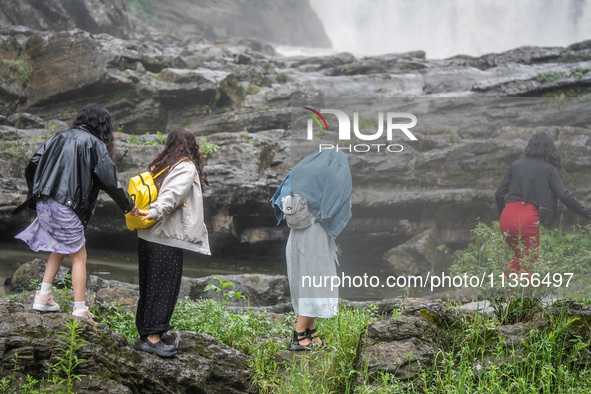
<point x="179" y="210"/>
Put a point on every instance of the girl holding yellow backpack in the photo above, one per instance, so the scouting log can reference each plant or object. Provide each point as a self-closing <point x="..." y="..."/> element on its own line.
<point x="179" y="224"/>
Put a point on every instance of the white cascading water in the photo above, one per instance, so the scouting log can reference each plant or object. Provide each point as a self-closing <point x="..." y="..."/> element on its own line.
<point x="444" y="28"/>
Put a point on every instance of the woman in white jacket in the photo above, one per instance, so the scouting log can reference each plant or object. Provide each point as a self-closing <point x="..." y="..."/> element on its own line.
<point x="179" y="211"/>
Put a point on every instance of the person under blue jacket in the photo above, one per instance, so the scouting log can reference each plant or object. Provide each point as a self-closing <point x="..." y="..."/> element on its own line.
<point x="324" y="180"/>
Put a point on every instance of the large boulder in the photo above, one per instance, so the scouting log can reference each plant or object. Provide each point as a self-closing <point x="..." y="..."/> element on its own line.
<point x="403" y="345"/>
<point x="434" y="311"/>
<point x="257" y="289"/>
<point x="32" y="271"/>
<point x="203" y="364"/>
<point x="399" y="346"/>
<point x="424" y="253"/>
<point x="125" y="297"/>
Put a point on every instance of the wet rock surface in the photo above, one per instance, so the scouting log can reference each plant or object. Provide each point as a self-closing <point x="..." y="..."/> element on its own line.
<point x="33" y="271"/>
<point x="162" y="21"/>
<point x="398" y="346"/>
<point x="111" y="364"/>
<point x="256" y="289"/>
<point x="240" y="94"/>
<point x="422" y="254"/>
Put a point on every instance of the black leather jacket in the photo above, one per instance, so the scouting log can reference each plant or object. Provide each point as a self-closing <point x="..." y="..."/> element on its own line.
<point x="534" y="181"/>
<point x="72" y="167"/>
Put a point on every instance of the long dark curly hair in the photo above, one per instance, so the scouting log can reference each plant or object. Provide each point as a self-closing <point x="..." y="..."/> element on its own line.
<point x="542" y="146"/>
<point x="180" y="144"/>
<point x="98" y="118"/>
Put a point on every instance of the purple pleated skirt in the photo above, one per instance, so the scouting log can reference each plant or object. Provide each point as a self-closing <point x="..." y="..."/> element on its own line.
<point x="56" y="229"/>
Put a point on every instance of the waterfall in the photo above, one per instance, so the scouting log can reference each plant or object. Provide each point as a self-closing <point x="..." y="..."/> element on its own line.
<point x="444" y="28"/>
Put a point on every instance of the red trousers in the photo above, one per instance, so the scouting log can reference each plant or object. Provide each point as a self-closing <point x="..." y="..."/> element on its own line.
<point x="520" y="221"/>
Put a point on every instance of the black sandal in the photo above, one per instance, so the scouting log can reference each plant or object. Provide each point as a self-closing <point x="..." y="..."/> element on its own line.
<point x="300" y="336"/>
<point x="321" y="345"/>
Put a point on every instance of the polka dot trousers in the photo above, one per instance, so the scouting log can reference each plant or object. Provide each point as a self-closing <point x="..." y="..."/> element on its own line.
<point x="160" y="270"/>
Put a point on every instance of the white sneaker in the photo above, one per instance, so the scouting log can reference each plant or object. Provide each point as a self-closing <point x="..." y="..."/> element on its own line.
<point x="84" y="313"/>
<point x="44" y="302"/>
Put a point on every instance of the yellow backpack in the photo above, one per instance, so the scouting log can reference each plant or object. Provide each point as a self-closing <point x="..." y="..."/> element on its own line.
<point x="143" y="191"/>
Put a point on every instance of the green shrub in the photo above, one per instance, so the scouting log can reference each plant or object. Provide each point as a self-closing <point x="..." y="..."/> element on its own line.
<point x="118" y="319"/>
<point x="18" y="68"/>
<point x="60" y="375"/>
<point x="560" y="253"/>
<point x="207" y="147"/>
<point x="578" y="74"/>
<point x="282" y="76"/>
<point x="551" y="76"/>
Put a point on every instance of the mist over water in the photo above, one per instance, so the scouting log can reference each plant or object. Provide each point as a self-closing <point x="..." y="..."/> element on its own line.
<point x="451" y="27"/>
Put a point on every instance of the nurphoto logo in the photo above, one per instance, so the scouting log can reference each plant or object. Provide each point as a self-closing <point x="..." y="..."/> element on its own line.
<point x="393" y="127"/>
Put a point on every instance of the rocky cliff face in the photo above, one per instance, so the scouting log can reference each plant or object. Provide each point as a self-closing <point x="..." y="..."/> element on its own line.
<point x="285" y="22"/>
<point x="241" y="95"/>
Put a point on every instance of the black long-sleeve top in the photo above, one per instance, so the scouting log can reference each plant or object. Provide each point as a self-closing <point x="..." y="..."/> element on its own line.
<point x="537" y="182"/>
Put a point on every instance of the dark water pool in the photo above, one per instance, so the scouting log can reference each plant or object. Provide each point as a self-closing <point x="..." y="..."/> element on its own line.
<point x="122" y="265"/>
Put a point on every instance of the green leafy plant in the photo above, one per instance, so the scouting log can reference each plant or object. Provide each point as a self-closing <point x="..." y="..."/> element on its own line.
<point x="134" y="139"/>
<point x="10" y="144"/>
<point x="550" y="76"/>
<point x="68" y="361"/>
<point x="21" y="144"/>
<point x="160" y="141"/>
<point x="19" y="68"/>
<point x="561" y="94"/>
<point x="118" y="318"/>
<point x="480" y="362"/>
<point x="207" y="147"/>
<point x="19" y="386"/>
<point x="15" y="106"/>
<point x="477" y="361"/>
<point x="224" y="295"/>
<point x="214" y="101"/>
<point x="61" y="375"/>
<point x="158" y="76"/>
<point x="64" y="297"/>
<point x="282" y="76"/>
<point x="578" y="74"/>
<point x="454" y="138"/>
<point x="34" y="284"/>
<point x="559" y="252"/>
<point x="161" y="138"/>
<point x="247" y="139"/>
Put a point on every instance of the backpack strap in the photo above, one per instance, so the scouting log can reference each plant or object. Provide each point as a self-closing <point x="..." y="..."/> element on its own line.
<point x="167" y="167"/>
<point x="154" y="177"/>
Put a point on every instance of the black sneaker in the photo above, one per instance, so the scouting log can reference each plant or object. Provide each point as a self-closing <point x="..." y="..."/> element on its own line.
<point x="158" y="348"/>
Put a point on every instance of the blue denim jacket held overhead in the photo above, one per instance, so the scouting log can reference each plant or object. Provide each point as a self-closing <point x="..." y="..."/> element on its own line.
<point x="324" y="180"/>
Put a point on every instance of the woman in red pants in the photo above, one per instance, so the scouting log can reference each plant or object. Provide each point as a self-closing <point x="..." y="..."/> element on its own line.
<point x="532" y="182"/>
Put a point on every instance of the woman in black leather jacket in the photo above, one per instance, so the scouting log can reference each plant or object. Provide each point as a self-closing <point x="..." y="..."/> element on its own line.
<point x="532" y="182"/>
<point x="64" y="177"/>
